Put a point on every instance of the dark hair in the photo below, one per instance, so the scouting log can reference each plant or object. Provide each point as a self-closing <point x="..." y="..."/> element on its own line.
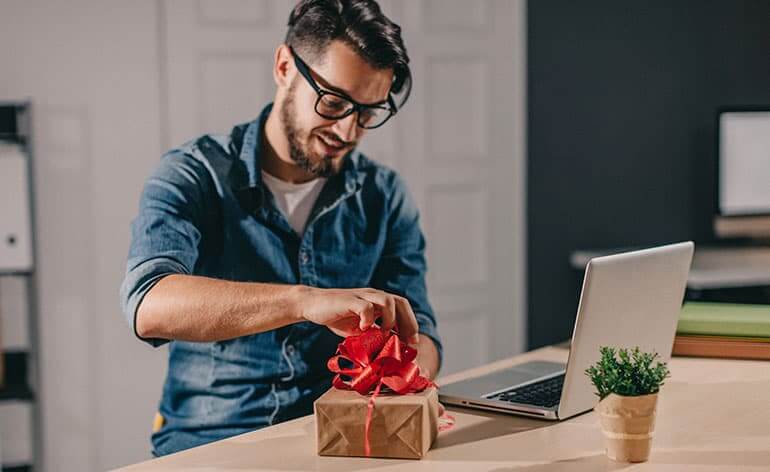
<point x="313" y="24"/>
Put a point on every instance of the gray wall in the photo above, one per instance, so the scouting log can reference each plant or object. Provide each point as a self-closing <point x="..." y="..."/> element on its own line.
<point x="622" y="98"/>
<point x="91" y="70"/>
<point x="116" y="82"/>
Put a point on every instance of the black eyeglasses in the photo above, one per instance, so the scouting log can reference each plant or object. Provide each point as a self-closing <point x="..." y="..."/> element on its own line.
<point x="336" y="106"/>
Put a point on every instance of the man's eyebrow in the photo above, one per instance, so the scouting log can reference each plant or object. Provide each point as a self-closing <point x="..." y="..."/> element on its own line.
<point x="331" y="88"/>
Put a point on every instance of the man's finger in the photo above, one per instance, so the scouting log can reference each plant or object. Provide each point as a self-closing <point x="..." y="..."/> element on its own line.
<point x="389" y="314"/>
<point x="365" y="311"/>
<point x="386" y="304"/>
<point x="347" y="326"/>
<point x="407" y="322"/>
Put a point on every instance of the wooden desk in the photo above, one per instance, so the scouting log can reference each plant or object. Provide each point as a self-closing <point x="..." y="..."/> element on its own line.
<point x="713" y="415"/>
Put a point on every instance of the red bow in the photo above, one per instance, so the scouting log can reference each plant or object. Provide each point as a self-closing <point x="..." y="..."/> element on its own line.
<point x="376" y="359"/>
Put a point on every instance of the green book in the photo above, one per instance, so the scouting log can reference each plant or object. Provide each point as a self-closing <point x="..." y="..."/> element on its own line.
<point x="724" y="319"/>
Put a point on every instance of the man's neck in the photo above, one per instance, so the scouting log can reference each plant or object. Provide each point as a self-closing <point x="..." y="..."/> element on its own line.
<point x="276" y="160"/>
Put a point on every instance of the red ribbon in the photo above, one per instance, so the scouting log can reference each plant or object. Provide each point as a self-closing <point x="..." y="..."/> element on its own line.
<point x="376" y="359"/>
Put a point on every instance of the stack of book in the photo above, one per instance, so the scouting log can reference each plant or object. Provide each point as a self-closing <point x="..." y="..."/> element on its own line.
<point x="725" y="330"/>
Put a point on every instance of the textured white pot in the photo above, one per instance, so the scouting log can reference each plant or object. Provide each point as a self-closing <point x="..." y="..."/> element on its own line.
<point x="628" y="424"/>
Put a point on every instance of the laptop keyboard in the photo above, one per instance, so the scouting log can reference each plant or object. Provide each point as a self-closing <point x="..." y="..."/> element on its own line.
<point x="545" y="393"/>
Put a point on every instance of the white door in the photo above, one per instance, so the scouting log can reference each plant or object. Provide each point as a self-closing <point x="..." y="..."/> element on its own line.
<point x="459" y="142"/>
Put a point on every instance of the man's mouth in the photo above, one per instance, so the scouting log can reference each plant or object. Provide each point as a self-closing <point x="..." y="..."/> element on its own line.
<point x="331" y="144"/>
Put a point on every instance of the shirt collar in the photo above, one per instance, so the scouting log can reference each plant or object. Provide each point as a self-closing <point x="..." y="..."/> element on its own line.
<point x="251" y="157"/>
<point x="251" y="148"/>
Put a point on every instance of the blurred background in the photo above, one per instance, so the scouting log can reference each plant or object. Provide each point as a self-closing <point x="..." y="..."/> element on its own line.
<point x="537" y="133"/>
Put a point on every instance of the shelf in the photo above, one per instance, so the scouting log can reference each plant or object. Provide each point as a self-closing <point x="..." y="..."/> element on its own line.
<point x="17" y="393"/>
<point x="16" y="273"/>
<point x="19" y="366"/>
<point x="16" y="468"/>
<point x="714" y="268"/>
<point x="16" y="386"/>
<point x="752" y="295"/>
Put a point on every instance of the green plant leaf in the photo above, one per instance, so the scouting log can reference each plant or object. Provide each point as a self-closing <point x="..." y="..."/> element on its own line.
<point x="627" y="372"/>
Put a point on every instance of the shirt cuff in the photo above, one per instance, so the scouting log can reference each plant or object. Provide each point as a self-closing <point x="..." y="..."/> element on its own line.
<point x="138" y="282"/>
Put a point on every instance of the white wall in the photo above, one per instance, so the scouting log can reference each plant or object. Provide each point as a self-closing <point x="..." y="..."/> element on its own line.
<point x="91" y="70"/>
<point x="94" y="70"/>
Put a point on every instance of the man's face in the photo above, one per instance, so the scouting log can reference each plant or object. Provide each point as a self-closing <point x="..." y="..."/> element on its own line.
<point x="315" y="143"/>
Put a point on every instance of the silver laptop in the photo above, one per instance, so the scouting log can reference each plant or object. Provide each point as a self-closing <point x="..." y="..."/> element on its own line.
<point x="629" y="299"/>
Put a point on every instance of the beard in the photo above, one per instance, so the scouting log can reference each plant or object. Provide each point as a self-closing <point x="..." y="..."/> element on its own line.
<point x="317" y="165"/>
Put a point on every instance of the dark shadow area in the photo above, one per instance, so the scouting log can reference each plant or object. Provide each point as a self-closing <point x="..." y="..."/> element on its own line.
<point x="622" y="99"/>
<point x="491" y="426"/>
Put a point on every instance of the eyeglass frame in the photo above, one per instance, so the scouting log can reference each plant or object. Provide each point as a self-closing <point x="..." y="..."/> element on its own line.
<point x="304" y="70"/>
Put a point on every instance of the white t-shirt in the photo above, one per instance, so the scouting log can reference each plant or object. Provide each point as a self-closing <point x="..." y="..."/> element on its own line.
<point x="294" y="200"/>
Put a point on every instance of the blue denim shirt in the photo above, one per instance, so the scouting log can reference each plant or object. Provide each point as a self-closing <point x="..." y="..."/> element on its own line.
<point x="206" y="212"/>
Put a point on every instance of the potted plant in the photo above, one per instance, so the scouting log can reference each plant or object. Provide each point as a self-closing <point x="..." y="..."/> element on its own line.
<point x="627" y="384"/>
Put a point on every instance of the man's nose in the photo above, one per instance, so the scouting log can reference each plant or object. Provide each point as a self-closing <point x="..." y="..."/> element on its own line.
<point x="346" y="128"/>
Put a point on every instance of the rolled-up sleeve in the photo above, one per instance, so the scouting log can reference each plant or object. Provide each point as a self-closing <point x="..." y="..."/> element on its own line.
<point x="402" y="267"/>
<point x="166" y="233"/>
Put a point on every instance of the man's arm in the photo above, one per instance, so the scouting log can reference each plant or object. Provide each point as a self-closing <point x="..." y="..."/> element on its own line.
<point x="193" y="308"/>
<point x="163" y="301"/>
<point x="201" y="309"/>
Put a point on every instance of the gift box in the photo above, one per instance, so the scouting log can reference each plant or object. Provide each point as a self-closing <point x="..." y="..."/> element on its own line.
<point x="400" y="426"/>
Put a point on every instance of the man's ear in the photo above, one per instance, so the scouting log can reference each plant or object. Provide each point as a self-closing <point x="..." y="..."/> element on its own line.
<point x="283" y="67"/>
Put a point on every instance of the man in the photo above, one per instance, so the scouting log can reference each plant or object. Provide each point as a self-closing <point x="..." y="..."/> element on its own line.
<point x="255" y="252"/>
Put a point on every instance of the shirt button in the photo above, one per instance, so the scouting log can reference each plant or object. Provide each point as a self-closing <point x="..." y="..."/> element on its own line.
<point x="303" y="257"/>
<point x="290" y="349"/>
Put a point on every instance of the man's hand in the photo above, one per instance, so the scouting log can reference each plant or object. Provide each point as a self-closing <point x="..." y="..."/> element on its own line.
<point x="349" y="311"/>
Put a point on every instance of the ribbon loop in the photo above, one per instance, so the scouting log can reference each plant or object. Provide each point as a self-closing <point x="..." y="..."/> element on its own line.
<point x="377" y="357"/>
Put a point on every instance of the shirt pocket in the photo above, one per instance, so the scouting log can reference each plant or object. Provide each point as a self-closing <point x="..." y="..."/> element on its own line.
<point x="252" y="358"/>
<point x="348" y="262"/>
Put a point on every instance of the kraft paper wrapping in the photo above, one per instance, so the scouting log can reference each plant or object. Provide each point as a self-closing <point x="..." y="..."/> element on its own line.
<point x="403" y="426"/>
<point x="628" y="424"/>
